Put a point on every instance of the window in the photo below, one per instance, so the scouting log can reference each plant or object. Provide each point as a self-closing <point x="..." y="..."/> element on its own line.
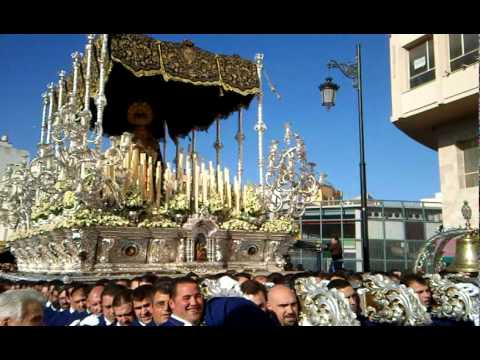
<point x="422" y="63"/>
<point x="471" y="154"/>
<point x="463" y="50"/>
<point x="414" y="231"/>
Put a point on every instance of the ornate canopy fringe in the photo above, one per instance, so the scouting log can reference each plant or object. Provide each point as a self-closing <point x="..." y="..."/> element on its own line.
<point x="187" y="87"/>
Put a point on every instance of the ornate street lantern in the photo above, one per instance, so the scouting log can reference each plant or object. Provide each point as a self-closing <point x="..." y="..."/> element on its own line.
<point x="328" y="91"/>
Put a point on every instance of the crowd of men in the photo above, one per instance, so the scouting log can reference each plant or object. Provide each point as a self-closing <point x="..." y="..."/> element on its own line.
<point x="150" y="300"/>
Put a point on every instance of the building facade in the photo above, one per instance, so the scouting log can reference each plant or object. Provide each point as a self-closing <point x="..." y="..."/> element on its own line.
<point x="397" y="230"/>
<point x="435" y="101"/>
<point x="9" y="155"/>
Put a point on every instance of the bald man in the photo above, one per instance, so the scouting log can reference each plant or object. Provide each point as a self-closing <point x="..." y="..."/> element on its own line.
<point x="94" y="300"/>
<point x="94" y="304"/>
<point x="282" y="301"/>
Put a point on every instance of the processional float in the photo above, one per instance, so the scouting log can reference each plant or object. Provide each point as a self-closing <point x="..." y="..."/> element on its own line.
<point x="86" y="207"/>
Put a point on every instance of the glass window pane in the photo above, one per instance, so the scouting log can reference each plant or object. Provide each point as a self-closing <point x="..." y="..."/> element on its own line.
<point x="377" y="250"/>
<point x="455" y="45"/>
<point x="394" y="230"/>
<point x="413" y="248"/>
<point x="414" y="230"/>
<point x="395" y="250"/>
<point x="422" y="79"/>
<point x="375" y="229"/>
<point x="377" y="265"/>
<point x="397" y="265"/>
<point x="431" y="55"/>
<point x="418" y="59"/>
<point x="431" y="229"/>
<point x="464" y="60"/>
<point x="470" y="42"/>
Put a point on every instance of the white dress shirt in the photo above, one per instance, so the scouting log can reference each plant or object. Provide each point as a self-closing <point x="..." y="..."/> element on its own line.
<point x="185" y="322"/>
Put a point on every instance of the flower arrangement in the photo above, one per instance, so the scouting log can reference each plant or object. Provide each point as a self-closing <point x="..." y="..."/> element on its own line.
<point x="163" y="223"/>
<point x="89" y="217"/>
<point x="45" y="208"/>
<point x="70" y="200"/>
<point x="66" y="210"/>
<point x="213" y="204"/>
<point x="238" y="224"/>
<point x="252" y="202"/>
<point x="133" y="199"/>
<point x="281" y="224"/>
<point x="179" y="203"/>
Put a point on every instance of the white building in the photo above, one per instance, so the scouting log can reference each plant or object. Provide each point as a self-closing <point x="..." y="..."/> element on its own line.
<point x="9" y="155"/>
<point x="435" y="87"/>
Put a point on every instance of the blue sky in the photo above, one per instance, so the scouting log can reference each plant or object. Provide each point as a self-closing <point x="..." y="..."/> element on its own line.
<point x="398" y="168"/>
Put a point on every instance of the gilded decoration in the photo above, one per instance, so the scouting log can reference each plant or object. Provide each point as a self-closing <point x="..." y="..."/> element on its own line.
<point x="138" y="53"/>
<point x="144" y="56"/>
<point x="238" y="73"/>
<point x="185" y="61"/>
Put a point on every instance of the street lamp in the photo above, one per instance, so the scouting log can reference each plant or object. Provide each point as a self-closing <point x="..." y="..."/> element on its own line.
<point x="328" y="90"/>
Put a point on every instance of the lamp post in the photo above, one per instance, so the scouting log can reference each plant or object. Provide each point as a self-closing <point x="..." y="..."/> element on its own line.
<point x="328" y="90"/>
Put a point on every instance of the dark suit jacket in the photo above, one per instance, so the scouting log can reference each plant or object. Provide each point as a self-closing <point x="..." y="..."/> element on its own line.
<point x="65" y="318"/>
<point x="450" y="322"/>
<point x="137" y="323"/>
<point x="235" y="312"/>
<point x="172" y="322"/>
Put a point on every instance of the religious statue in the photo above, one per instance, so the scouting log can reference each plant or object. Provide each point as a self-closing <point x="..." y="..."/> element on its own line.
<point x="140" y="115"/>
<point x="201" y="248"/>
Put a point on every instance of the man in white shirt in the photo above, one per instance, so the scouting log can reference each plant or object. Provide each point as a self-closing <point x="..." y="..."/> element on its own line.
<point x="106" y="317"/>
<point x="186" y="303"/>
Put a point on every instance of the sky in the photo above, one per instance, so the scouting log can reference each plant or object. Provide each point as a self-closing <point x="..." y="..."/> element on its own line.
<point x="398" y="168"/>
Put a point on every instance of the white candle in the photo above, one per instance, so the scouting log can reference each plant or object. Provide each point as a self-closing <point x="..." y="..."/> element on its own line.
<point x="83" y="171"/>
<point x="204" y="184"/>
<point x="180" y="168"/>
<point x="187" y="168"/>
<point x="158" y="185"/>
<point x="220" y="183"/>
<point x="236" y="189"/>
<point x="229" y="189"/>
<point x="244" y="196"/>
<point x="166" y="180"/>
<point x="211" y="178"/>
<point x="197" y="170"/>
